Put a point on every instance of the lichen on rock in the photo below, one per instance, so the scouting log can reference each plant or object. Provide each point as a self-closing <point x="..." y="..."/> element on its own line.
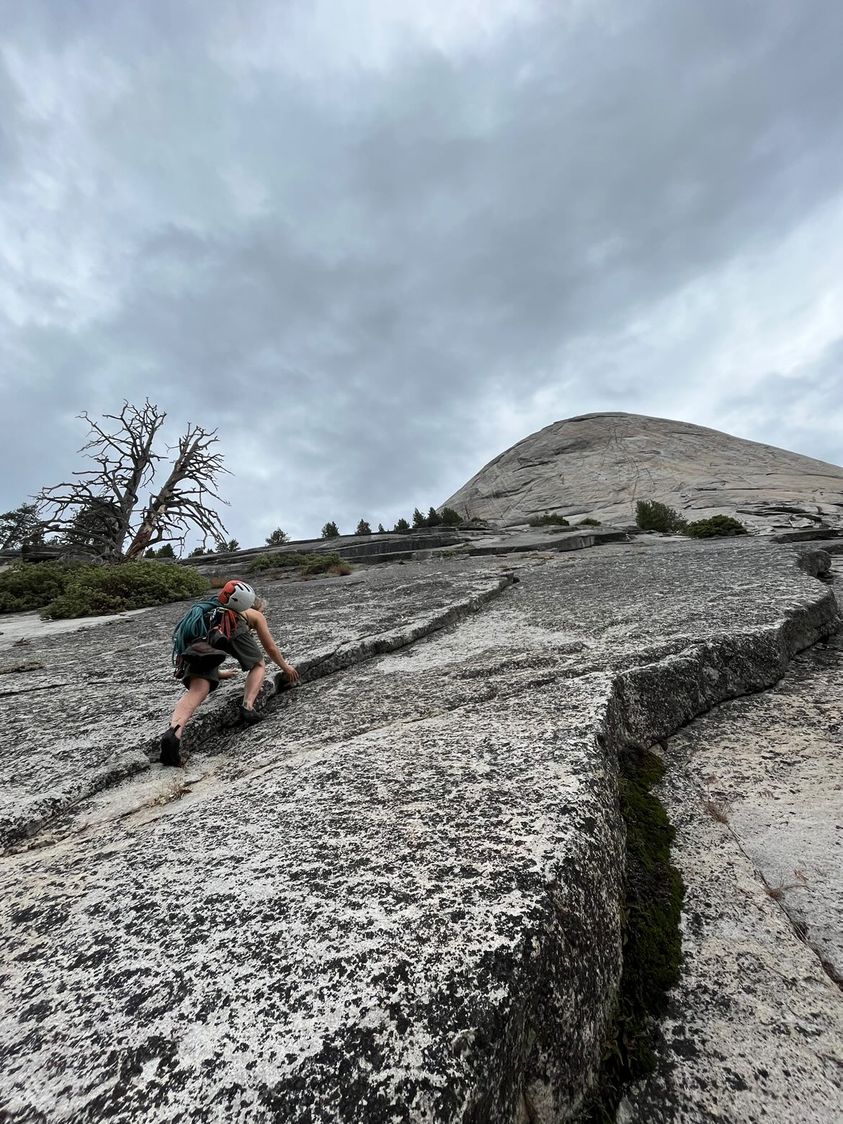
<point x="400" y="897"/>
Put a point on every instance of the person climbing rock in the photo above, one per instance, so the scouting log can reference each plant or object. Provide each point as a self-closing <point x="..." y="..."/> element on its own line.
<point x="213" y="629"/>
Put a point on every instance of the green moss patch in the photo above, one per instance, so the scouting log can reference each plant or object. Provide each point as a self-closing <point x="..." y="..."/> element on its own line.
<point x="652" y="950"/>
<point x="308" y="565"/>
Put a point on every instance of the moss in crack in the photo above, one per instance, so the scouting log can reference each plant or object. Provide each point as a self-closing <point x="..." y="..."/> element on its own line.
<point x="652" y="942"/>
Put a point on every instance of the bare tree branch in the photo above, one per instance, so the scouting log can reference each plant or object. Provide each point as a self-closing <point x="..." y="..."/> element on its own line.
<point x="171" y="512"/>
<point x="96" y="510"/>
<point x="97" y="507"/>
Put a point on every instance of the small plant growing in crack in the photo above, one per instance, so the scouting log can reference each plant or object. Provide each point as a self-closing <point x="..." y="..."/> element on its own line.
<point x="718" y="810"/>
<point x="778" y="892"/>
<point x="174" y="794"/>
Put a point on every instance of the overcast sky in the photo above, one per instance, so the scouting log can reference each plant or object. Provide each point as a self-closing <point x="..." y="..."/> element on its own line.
<point x="377" y="243"/>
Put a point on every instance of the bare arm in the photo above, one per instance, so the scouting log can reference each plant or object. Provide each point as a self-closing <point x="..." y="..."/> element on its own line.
<point x="257" y="621"/>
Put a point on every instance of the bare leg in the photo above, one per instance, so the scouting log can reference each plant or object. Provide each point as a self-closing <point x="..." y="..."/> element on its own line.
<point x="253" y="684"/>
<point x="195" y="695"/>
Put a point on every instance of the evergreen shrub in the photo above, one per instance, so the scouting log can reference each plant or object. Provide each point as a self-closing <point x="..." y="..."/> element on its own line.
<point x="32" y="585"/>
<point x="86" y="591"/>
<point x="716" y="527"/>
<point x="95" y="590"/>
<point x="650" y="515"/>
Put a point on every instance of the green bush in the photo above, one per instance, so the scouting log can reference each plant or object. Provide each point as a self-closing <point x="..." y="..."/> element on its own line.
<point x="589" y="522"/>
<point x="94" y="590"/>
<point x="715" y="527"/>
<point x="306" y="564"/>
<point x="549" y="519"/>
<point x="33" y="585"/>
<point x="286" y="561"/>
<point x="650" y="515"/>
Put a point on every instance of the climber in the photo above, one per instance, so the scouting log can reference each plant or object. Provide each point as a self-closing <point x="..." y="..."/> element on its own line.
<point x="212" y="629"/>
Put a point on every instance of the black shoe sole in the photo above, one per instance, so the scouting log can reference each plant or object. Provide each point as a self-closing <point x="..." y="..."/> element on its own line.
<point x="170" y="752"/>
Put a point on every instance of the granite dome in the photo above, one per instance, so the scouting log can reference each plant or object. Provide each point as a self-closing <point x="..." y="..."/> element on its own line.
<point x="601" y="464"/>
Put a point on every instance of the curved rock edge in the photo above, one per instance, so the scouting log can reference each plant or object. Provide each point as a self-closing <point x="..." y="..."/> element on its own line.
<point x="523" y="1082"/>
<point x="692" y="682"/>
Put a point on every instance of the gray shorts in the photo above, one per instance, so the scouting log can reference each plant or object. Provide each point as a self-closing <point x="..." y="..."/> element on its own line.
<point x="242" y="646"/>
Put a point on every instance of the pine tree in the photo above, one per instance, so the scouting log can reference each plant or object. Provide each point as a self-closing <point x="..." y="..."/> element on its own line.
<point x="363" y="528"/>
<point x="418" y="519"/>
<point x="21" y="527"/>
<point x="330" y="531"/>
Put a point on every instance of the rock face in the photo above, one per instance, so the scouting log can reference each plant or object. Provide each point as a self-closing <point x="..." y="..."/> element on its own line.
<point x="601" y="464"/>
<point x="755" y="793"/>
<point x="398" y="900"/>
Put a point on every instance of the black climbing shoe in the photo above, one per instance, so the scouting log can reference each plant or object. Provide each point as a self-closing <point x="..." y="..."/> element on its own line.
<point x="250" y="717"/>
<point x="170" y="749"/>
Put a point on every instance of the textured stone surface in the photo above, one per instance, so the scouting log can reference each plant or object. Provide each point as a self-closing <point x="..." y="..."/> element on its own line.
<point x="556" y="539"/>
<point x="94" y="711"/>
<point x="755" y="1031"/>
<point x="397" y="899"/>
<point x="600" y="464"/>
<point x="366" y="549"/>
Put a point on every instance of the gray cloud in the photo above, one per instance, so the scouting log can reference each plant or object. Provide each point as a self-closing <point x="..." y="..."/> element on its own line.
<point x="362" y="275"/>
<point x="800" y="410"/>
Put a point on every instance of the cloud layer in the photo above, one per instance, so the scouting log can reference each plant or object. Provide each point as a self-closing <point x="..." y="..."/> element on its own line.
<point x="376" y="249"/>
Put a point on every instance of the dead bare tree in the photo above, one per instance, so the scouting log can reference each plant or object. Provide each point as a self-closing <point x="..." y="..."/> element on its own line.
<point x="182" y="502"/>
<point x="97" y="509"/>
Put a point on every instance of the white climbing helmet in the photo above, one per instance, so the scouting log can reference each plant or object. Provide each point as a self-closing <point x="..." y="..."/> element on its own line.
<point x="237" y="595"/>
